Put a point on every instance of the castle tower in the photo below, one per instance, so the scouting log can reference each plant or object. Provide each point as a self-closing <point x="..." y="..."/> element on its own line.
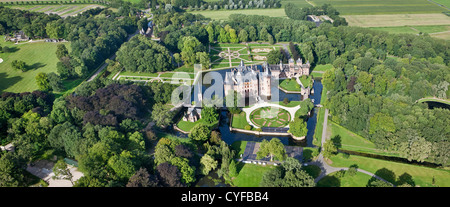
<point x="299" y="62"/>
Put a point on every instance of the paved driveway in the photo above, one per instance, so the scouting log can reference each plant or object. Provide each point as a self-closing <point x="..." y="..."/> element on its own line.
<point x="43" y="170"/>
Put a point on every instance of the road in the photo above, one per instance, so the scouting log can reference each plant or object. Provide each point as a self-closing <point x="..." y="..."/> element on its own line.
<point x="111" y="58"/>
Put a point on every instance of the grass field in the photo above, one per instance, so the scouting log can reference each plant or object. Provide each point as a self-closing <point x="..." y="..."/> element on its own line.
<point x="290" y="85"/>
<point x="250" y="175"/>
<point x="358" y="180"/>
<point x="224" y="14"/>
<point x="422" y="176"/>
<point x="353" y="142"/>
<point x="38" y="56"/>
<point x="239" y="121"/>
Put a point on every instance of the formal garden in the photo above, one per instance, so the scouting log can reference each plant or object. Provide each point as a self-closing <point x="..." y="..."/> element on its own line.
<point x="270" y="117"/>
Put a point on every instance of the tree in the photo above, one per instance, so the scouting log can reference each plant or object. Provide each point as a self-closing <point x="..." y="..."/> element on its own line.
<point x="61" y="171"/>
<point x="122" y="165"/>
<point x="416" y="148"/>
<point x="18" y="65"/>
<point x="142" y="179"/>
<point x="272" y="148"/>
<point x="43" y="82"/>
<point x="329" y="149"/>
<point x="189" y="47"/>
<point x="200" y="132"/>
<point x="232" y="169"/>
<point x="298" y="127"/>
<point x="243" y="35"/>
<point x="207" y="163"/>
<point x="203" y="59"/>
<point x="162" y="115"/>
<point x="61" y="51"/>
<point x="169" y="175"/>
<point x="55" y="82"/>
<point x="233" y="36"/>
<point x="210" y="115"/>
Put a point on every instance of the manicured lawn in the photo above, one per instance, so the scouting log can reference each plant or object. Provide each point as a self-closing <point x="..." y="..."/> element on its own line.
<point x="250" y="175"/>
<point x="239" y="148"/>
<point x="38" y="56"/>
<point x="358" y="180"/>
<point x="422" y="176"/>
<point x="289" y="85"/>
<point x="239" y="121"/>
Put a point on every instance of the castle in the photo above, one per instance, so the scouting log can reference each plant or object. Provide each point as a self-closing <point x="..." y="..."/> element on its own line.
<point x="250" y="82"/>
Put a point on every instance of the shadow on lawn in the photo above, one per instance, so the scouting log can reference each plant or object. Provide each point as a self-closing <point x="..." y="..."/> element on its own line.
<point x="6" y="82"/>
<point x="35" y="66"/>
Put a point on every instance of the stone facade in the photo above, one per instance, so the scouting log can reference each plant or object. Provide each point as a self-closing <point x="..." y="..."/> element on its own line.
<point x="250" y="82"/>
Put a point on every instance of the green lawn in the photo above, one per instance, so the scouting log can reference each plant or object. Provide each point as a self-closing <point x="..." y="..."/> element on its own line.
<point x="38" y="56"/>
<point x="306" y="81"/>
<point x="239" y="148"/>
<point x="422" y="176"/>
<point x="187" y="125"/>
<point x="353" y="142"/>
<point x="239" y="121"/>
<point x="358" y="180"/>
<point x="250" y="175"/>
<point x="414" y="29"/>
<point x="289" y="85"/>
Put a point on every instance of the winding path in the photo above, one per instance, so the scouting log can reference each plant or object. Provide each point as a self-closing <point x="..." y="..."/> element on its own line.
<point x="325" y="169"/>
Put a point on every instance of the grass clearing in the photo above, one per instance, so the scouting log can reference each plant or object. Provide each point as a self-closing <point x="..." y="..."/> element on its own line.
<point x="38" y="56"/>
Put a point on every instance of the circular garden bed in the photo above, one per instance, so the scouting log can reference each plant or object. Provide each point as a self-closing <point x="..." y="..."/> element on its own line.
<point x="270" y="117"/>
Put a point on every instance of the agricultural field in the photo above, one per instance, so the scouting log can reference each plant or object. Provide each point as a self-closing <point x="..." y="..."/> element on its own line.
<point x="436" y="25"/>
<point x="391" y="20"/>
<point x="63" y="10"/>
<point x="438" y="31"/>
<point x="351" y="7"/>
<point x="38" y="56"/>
